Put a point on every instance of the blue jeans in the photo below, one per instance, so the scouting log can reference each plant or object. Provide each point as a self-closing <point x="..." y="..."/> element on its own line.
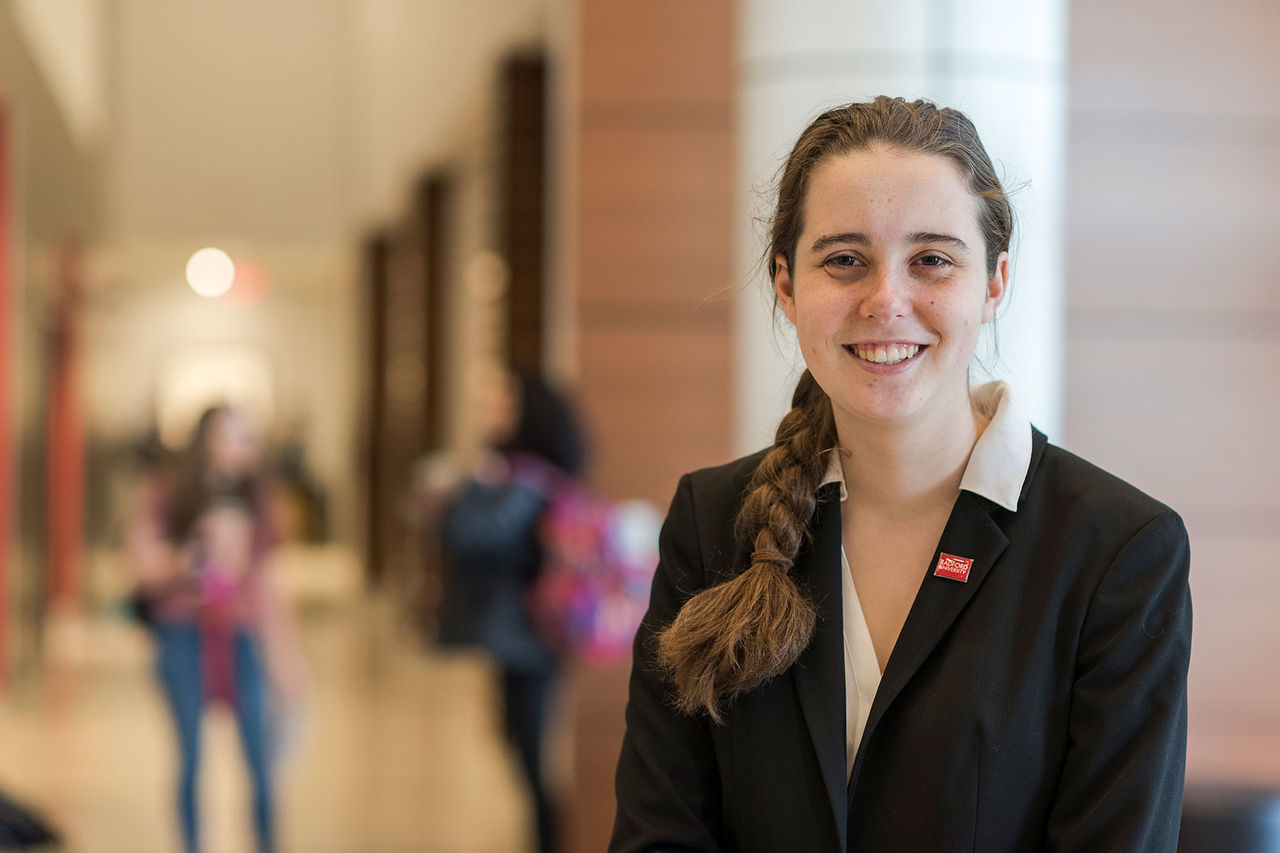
<point x="525" y="698"/>
<point x="178" y="668"/>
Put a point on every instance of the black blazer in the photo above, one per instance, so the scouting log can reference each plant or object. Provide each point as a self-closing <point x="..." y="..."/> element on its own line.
<point x="1040" y="705"/>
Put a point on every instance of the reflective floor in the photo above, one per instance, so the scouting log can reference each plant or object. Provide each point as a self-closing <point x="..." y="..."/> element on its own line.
<point x="398" y="749"/>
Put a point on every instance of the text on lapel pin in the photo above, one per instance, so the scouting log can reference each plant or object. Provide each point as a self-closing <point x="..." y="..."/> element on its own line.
<point x="951" y="566"/>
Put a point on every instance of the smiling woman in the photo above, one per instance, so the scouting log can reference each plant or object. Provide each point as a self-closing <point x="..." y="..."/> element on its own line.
<point x="911" y="597"/>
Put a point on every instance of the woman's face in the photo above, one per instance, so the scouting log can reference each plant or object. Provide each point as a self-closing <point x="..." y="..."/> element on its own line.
<point x="890" y="288"/>
<point x="232" y="445"/>
<point x="498" y="407"/>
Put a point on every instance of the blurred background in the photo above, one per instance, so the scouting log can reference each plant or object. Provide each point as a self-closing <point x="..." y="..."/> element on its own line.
<point x="412" y="190"/>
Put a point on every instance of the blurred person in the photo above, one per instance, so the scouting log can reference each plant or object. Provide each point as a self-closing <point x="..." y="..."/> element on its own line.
<point x="198" y="545"/>
<point x="304" y="505"/>
<point x="911" y="623"/>
<point x="488" y="528"/>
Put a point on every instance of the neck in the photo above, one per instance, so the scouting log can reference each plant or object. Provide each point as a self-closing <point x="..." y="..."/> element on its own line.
<point x="912" y="466"/>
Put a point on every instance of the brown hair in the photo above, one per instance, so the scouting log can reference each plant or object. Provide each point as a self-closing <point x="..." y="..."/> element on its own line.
<point x="732" y="637"/>
<point x="195" y="488"/>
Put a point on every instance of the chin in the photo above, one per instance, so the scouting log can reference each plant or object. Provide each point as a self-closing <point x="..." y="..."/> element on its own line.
<point x="881" y="411"/>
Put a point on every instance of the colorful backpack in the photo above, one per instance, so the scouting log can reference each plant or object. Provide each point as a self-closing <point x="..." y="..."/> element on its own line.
<point x="598" y="562"/>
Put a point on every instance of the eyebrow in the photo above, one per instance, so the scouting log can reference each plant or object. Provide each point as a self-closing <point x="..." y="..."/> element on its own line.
<point x="859" y="239"/>
<point x="929" y="237"/>
<point x="828" y="240"/>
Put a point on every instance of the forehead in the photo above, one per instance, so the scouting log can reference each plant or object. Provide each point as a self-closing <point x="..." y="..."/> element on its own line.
<point x="887" y="193"/>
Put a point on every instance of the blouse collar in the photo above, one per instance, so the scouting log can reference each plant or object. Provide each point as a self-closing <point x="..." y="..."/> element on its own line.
<point x="1000" y="458"/>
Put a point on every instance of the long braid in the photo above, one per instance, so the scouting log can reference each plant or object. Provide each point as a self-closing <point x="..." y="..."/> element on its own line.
<point x="731" y="638"/>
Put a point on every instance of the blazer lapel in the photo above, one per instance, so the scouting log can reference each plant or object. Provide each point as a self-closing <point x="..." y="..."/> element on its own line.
<point x="819" y="672"/>
<point x="970" y="533"/>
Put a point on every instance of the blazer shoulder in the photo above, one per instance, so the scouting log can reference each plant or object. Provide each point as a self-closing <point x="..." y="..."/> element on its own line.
<point x="710" y="498"/>
<point x="1069" y="481"/>
<point x="723" y="486"/>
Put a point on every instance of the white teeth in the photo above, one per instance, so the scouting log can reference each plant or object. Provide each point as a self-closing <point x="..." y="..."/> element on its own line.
<point x="891" y="354"/>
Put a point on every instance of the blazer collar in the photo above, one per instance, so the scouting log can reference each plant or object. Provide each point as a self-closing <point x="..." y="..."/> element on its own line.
<point x="971" y="532"/>
<point x="819" y="673"/>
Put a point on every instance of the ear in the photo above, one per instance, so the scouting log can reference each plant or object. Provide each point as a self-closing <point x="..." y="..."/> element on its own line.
<point x="784" y="287"/>
<point x="997" y="286"/>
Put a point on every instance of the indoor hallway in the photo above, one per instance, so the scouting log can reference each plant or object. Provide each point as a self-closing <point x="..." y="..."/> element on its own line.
<point x="398" y="751"/>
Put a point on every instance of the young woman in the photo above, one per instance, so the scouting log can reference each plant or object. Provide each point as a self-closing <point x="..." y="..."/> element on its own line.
<point x="910" y="624"/>
<point x="198" y="545"/>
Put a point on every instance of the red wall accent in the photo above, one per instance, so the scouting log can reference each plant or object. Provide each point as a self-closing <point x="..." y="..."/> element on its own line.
<point x="65" y="461"/>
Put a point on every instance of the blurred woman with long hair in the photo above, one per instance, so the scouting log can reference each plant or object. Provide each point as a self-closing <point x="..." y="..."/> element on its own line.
<point x="198" y="545"/>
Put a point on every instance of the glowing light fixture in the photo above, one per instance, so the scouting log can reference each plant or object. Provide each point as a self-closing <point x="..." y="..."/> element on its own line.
<point x="210" y="272"/>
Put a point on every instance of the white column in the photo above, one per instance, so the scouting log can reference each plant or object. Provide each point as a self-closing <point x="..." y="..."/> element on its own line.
<point x="1000" y="61"/>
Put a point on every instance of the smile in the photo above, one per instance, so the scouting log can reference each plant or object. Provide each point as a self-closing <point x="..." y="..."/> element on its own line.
<point x="884" y="353"/>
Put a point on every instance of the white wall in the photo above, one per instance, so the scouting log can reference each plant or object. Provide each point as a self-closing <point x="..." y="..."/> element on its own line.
<point x="66" y="39"/>
<point x="228" y="119"/>
<point x="1001" y="62"/>
<point x="139" y="324"/>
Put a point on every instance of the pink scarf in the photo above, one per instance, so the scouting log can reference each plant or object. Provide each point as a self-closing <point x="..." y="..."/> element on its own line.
<point x="217" y="633"/>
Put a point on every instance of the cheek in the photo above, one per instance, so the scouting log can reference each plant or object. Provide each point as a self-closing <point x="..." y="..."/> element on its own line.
<point x="804" y="337"/>
<point x="967" y="327"/>
<point x="813" y="332"/>
<point x="820" y="312"/>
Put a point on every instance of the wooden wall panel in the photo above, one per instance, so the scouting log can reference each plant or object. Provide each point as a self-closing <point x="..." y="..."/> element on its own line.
<point x="658" y="54"/>
<point x="523" y="208"/>
<point x="597" y="738"/>
<point x="375" y="259"/>
<point x="1173" y="334"/>
<point x="656" y="399"/>
<point x="651" y="128"/>
<point x="659" y="228"/>
<point x="655" y="246"/>
<point x="432" y="217"/>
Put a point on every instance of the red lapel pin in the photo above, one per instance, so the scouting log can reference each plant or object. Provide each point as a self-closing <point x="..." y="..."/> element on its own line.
<point x="951" y="566"/>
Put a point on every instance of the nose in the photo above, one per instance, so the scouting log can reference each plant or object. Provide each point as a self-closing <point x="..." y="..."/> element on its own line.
<point x="885" y="296"/>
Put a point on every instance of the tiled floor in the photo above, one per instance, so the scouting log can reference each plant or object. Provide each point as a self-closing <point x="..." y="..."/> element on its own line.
<point x="398" y="750"/>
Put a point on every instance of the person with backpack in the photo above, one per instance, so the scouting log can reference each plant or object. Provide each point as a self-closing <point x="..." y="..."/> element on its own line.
<point x="489" y="533"/>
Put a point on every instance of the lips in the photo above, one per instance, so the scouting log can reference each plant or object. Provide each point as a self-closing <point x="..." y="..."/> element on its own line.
<point x="887" y="354"/>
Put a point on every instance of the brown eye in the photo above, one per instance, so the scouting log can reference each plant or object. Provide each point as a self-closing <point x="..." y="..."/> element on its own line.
<point x="844" y="266"/>
<point x="934" y="261"/>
